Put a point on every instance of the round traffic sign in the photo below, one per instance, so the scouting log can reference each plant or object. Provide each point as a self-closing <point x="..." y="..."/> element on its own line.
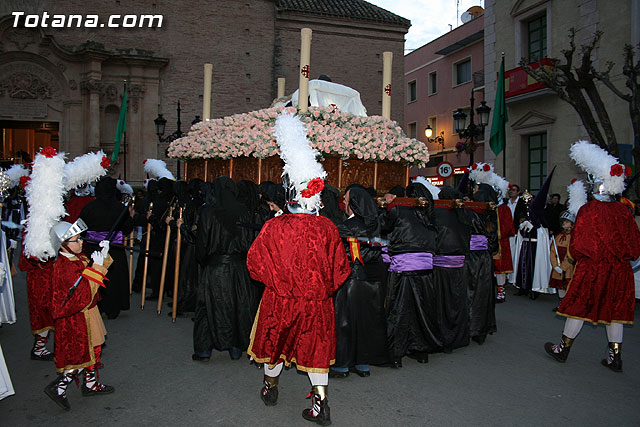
<point x="445" y="170"/>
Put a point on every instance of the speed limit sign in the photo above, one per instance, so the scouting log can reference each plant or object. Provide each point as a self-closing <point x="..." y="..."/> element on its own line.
<point x="445" y="170"/>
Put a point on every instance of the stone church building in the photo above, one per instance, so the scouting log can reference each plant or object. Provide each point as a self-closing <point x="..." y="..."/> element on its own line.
<point x="63" y="86"/>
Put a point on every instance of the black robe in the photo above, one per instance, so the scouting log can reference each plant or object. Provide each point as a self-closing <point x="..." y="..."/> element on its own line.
<point x="411" y="296"/>
<point x="361" y="333"/>
<point x="453" y="307"/>
<point x="100" y="215"/>
<point x="227" y="299"/>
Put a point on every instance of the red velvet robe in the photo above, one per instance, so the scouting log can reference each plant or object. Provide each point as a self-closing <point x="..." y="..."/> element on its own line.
<point x="74" y="349"/>
<point x="604" y="240"/>
<point x="38" y="292"/>
<point x="502" y="262"/>
<point x="301" y="260"/>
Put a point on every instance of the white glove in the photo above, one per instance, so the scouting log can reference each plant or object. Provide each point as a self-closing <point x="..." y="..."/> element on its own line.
<point x="558" y="269"/>
<point x="526" y="225"/>
<point x="105" y="248"/>
<point x="98" y="258"/>
<point x="13" y="243"/>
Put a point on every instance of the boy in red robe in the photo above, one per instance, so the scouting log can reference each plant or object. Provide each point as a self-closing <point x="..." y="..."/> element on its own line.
<point x="78" y="325"/>
<point x="301" y="260"/>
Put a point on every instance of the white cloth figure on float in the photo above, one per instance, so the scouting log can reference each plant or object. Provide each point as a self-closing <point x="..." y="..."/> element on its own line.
<point x="6" y="387"/>
<point x="324" y="94"/>
<point x="7" y="302"/>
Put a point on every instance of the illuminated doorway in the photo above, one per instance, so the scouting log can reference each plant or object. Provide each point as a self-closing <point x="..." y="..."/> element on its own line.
<point x="21" y="140"/>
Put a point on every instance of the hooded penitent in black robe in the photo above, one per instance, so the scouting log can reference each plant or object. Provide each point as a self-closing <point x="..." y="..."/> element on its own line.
<point x="411" y="295"/>
<point x="331" y="209"/>
<point x="479" y="267"/>
<point x="226" y="297"/>
<point x="188" y="197"/>
<point x="100" y="216"/>
<point x="452" y="245"/>
<point x="359" y="303"/>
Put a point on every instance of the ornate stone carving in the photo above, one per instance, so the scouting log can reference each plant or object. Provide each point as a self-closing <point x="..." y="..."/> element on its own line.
<point x="21" y="37"/>
<point x="25" y="85"/>
<point x="91" y="86"/>
<point x="73" y="85"/>
<point x="62" y="67"/>
<point x="135" y="93"/>
<point x="111" y="93"/>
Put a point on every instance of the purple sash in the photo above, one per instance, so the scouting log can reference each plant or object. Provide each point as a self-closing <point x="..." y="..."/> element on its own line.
<point x="449" y="261"/>
<point x="99" y="236"/>
<point x="385" y="255"/>
<point x="479" y="242"/>
<point x="412" y="261"/>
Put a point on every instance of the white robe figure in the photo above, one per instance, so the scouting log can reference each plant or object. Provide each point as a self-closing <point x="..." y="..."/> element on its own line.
<point x="6" y="387"/>
<point x="326" y="94"/>
<point x="7" y="303"/>
<point x="542" y="269"/>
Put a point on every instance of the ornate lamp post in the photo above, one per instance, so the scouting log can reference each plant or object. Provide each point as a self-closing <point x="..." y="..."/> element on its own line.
<point x="439" y="139"/>
<point x="161" y="123"/>
<point x="472" y="133"/>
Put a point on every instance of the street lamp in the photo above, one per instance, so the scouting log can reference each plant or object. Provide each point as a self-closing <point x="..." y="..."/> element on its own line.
<point x="428" y="132"/>
<point x="161" y="124"/>
<point x="470" y="134"/>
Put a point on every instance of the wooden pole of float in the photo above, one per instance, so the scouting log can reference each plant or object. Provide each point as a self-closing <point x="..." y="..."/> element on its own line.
<point x="131" y="263"/>
<point x="281" y="82"/>
<point x="305" y="59"/>
<point x="176" y="274"/>
<point x="339" y="172"/>
<point x="406" y="177"/>
<point x="387" y="60"/>
<point x="206" y="171"/>
<point x="259" y="171"/>
<point x="146" y="259"/>
<point x="206" y="97"/>
<point x="231" y="168"/>
<point x="375" y="175"/>
<point x="165" y="255"/>
<point x="185" y="170"/>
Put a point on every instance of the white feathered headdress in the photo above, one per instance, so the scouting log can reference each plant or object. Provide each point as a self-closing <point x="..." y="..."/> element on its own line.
<point x="85" y="169"/>
<point x="16" y="172"/>
<point x="157" y="169"/>
<point x="123" y="187"/>
<point x="577" y="196"/>
<point x="483" y="173"/>
<point x="597" y="162"/>
<point x="44" y="193"/>
<point x="305" y="174"/>
<point x="435" y="191"/>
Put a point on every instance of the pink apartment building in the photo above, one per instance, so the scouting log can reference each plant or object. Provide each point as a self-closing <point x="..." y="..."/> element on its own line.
<point x="440" y="78"/>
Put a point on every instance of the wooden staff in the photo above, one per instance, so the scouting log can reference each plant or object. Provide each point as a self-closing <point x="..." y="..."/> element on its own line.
<point x="146" y="259"/>
<point x="165" y="255"/>
<point x="131" y="263"/>
<point x="176" y="274"/>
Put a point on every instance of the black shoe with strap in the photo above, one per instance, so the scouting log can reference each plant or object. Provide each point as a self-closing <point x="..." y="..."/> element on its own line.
<point x="92" y="387"/>
<point x="57" y="390"/>
<point x="269" y="390"/>
<point x="319" y="412"/>
<point x="560" y="352"/>
<point x="614" y="357"/>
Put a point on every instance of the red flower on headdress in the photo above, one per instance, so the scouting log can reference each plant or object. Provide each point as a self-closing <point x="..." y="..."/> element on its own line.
<point x="574" y="180"/>
<point x="24" y="180"/>
<point x="48" y="152"/>
<point x="27" y="165"/>
<point x="616" y="170"/>
<point x="121" y="182"/>
<point x="144" y="162"/>
<point x="105" y="162"/>
<point x="627" y="172"/>
<point x="486" y="167"/>
<point x="313" y="187"/>
<point x="474" y="166"/>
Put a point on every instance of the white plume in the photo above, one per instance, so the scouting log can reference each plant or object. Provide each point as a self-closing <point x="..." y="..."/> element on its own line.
<point x="45" y="193"/>
<point x="145" y="183"/>
<point x="435" y="191"/>
<point x="157" y="169"/>
<point x="577" y="196"/>
<point x="596" y="161"/>
<point x="84" y="169"/>
<point x="16" y="172"/>
<point x="299" y="158"/>
<point x="491" y="178"/>
<point x="123" y="187"/>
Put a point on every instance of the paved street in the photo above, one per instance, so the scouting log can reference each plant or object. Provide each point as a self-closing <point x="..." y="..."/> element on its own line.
<point x="507" y="381"/>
